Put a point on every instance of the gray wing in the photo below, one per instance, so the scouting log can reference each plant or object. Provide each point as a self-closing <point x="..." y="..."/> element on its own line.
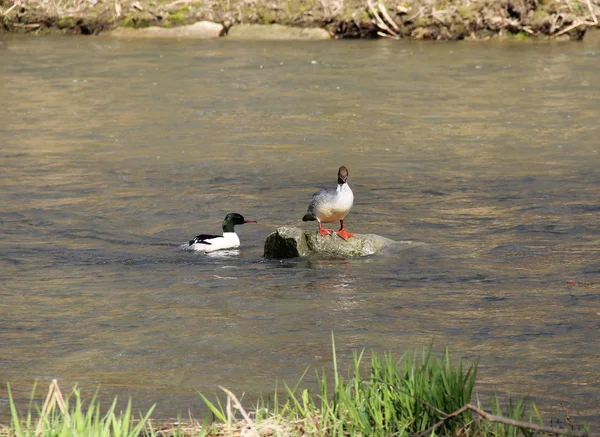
<point x="318" y="198"/>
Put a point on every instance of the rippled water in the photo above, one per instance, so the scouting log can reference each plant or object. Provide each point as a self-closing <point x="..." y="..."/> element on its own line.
<point x="115" y="152"/>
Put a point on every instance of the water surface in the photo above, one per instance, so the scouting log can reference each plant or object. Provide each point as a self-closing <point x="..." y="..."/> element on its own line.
<point x="114" y="152"/>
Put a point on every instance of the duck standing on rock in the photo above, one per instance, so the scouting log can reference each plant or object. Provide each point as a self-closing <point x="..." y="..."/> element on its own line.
<point x="329" y="205"/>
<point x="210" y="243"/>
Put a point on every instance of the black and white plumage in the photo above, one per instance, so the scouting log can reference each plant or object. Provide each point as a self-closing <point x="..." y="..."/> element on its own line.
<point x="332" y="205"/>
<point x="210" y="243"/>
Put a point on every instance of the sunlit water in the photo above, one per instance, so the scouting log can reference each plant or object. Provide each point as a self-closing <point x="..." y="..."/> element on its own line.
<point x="115" y="152"/>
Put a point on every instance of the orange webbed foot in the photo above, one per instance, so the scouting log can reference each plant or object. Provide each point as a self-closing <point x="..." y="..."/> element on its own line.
<point x="344" y="234"/>
<point x="325" y="232"/>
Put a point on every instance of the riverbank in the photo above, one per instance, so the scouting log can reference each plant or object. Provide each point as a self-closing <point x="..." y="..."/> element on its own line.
<point x="416" y="19"/>
<point x="411" y="396"/>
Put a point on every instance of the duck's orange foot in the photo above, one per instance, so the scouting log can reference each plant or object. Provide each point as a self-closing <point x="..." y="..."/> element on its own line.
<point x="344" y="234"/>
<point x="325" y="232"/>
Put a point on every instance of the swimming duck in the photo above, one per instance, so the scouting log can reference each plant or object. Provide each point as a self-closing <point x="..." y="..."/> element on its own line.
<point x="331" y="205"/>
<point x="210" y="243"/>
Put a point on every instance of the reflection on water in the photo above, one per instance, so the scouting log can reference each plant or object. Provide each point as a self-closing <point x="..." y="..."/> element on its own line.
<point x="115" y="152"/>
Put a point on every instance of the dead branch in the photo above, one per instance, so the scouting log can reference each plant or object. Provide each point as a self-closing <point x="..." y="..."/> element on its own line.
<point x="387" y="17"/>
<point x="594" y="19"/>
<point x="379" y="21"/>
<point x="489" y="417"/>
<point x="507" y="421"/>
<point x="571" y="27"/>
<point x="402" y="9"/>
<point x="528" y="30"/>
<point x="17" y="3"/>
<point x="385" y="35"/>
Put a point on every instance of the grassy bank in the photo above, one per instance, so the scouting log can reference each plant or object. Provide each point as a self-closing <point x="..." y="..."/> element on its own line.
<point x="416" y="19"/>
<point x="413" y="396"/>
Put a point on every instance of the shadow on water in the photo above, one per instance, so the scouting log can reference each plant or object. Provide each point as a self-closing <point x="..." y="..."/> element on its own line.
<point x="119" y="151"/>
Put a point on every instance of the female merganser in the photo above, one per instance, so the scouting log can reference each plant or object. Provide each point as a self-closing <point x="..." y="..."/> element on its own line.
<point x="328" y="206"/>
<point x="210" y="243"/>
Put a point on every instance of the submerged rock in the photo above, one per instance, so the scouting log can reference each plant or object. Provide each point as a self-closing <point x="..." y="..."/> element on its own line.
<point x="291" y="242"/>
<point x="199" y="30"/>
<point x="275" y="31"/>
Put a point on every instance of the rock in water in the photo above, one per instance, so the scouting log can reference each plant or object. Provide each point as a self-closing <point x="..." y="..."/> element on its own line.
<point x="291" y="242"/>
<point x="199" y="30"/>
<point x="276" y="31"/>
<point x="286" y="242"/>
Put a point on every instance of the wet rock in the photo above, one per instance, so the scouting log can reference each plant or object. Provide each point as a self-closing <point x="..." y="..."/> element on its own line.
<point x="199" y="30"/>
<point x="286" y="242"/>
<point x="291" y="242"/>
<point x="275" y="31"/>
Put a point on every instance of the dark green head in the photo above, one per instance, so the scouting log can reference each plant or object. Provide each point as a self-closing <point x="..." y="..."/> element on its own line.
<point x="232" y="219"/>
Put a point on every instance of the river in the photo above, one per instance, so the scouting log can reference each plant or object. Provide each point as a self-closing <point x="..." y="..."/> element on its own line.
<point x="114" y="152"/>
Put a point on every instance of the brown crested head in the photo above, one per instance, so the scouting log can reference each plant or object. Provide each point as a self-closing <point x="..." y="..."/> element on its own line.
<point x="342" y="175"/>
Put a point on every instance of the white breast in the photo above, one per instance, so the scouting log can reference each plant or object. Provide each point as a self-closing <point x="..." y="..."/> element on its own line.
<point x="336" y="205"/>
<point x="229" y="240"/>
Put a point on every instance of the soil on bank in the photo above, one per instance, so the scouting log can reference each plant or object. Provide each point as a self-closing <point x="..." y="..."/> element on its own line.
<point x="416" y="19"/>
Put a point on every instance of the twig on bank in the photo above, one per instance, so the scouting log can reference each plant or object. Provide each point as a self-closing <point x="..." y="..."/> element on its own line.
<point x="229" y="415"/>
<point x="528" y="30"/>
<point x="589" y="5"/>
<point x="238" y="406"/>
<point x="447" y="417"/>
<point x="375" y="14"/>
<point x="489" y="417"/>
<point x="117" y="8"/>
<point x="419" y="12"/>
<point x="379" y="21"/>
<point x="512" y="422"/>
<point x="251" y="428"/>
<point x="385" y="35"/>
<point x="18" y="2"/>
<point x="578" y="22"/>
<point x="401" y="9"/>
<point x="571" y="27"/>
<point x="387" y="17"/>
<point x="54" y="397"/>
<point x="554" y="24"/>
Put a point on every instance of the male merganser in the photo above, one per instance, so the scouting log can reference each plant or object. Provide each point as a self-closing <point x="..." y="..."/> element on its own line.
<point x="328" y="206"/>
<point x="210" y="243"/>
